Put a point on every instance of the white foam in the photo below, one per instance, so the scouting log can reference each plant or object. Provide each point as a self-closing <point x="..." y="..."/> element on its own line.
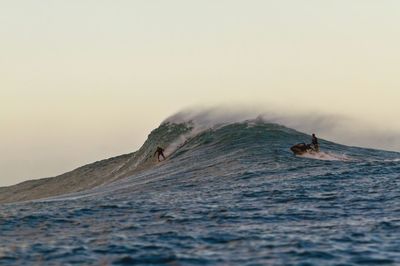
<point x="393" y="160"/>
<point x="325" y="156"/>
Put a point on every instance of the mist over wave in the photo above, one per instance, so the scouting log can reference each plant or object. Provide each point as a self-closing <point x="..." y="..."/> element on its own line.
<point x="339" y="128"/>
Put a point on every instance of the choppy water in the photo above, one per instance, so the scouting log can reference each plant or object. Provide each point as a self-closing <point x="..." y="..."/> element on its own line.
<point x="232" y="196"/>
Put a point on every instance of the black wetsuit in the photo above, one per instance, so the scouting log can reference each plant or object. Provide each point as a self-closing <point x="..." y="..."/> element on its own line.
<point x="315" y="143"/>
<point x="159" y="152"/>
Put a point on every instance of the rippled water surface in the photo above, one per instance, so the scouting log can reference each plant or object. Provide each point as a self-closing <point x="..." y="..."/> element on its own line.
<point x="235" y="196"/>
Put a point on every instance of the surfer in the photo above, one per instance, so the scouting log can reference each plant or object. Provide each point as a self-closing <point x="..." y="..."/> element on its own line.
<point x="159" y="152"/>
<point x="314" y="142"/>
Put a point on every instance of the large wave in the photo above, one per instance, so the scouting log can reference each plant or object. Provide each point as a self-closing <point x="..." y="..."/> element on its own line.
<point x="190" y="137"/>
<point x="229" y="193"/>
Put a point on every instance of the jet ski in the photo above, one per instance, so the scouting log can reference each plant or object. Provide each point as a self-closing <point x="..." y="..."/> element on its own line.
<point x="302" y="148"/>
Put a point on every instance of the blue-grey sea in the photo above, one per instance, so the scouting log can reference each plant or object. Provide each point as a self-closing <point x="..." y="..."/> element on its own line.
<point x="235" y="195"/>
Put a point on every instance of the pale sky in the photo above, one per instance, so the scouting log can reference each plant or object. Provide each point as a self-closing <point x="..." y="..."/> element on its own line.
<point x="86" y="80"/>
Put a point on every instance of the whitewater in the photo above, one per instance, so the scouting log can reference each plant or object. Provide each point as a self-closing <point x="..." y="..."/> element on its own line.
<point x="228" y="194"/>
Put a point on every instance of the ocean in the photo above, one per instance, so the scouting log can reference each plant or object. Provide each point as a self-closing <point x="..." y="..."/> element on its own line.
<point x="232" y="194"/>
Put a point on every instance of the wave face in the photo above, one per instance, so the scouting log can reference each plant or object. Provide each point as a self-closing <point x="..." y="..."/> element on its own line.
<point x="98" y="173"/>
<point x="232" y="194"/>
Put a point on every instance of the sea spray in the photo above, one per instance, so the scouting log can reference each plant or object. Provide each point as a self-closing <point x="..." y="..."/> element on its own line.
<point x="234" y="194"/>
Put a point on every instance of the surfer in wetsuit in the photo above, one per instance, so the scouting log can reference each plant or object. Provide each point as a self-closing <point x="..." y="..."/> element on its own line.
<point x="159" y="152"/>
<point x="314" y="142"/>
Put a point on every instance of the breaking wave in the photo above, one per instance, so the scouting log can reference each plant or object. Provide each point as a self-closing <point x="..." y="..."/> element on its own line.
<point x="230" y="193"/>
